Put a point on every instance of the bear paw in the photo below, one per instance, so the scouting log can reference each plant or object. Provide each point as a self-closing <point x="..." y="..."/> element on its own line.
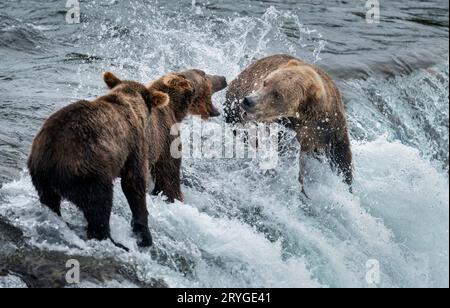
<point x="143" y="234"/>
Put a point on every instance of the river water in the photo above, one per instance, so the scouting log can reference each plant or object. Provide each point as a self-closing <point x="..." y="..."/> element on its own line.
<point x="241" y="226"/>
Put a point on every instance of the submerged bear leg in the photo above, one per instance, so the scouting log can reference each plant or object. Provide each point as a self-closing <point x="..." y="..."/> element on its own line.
<point x="341" y="157"/>
<point x="167" y="177"/>
<point x="301" y="177"/>
<point x="97" y="208"/>
<point x="134" y="186"/>
<point x="51" y="199"/>
<point x="94" y="197"/>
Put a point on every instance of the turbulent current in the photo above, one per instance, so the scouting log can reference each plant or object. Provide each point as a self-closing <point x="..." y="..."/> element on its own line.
<point x="241" y="226"/>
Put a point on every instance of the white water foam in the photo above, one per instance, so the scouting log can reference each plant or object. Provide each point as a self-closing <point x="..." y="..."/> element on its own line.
<point x="11" y="282"/>
<point x="398" y="216"/>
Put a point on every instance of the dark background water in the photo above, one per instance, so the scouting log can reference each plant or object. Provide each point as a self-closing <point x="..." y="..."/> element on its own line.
<point x="239" y="226"/>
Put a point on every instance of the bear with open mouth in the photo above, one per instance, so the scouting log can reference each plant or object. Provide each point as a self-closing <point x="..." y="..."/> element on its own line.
<point x="190" y="93"/>
<point x="84" y="147"/>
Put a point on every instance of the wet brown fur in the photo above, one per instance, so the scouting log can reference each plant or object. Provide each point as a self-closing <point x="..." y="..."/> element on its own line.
<point x="84" y="147"/>
<point x="310" y="103"/>
<point x="190" y="93"/>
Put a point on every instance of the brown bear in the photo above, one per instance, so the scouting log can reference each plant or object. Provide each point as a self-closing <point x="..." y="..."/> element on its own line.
<point x="84" y="147"/>
<point x="302" y="97"/>
<point x="190" y="93"/>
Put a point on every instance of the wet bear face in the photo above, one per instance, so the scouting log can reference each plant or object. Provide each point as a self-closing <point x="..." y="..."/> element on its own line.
<point x="191" y="92"/>
<point x="283" y="94"/>
<point x="205" y="86"/>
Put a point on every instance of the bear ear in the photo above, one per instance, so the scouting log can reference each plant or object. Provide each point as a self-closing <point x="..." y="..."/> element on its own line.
<point x="317" y="92"/>
<point x="111" y="80"/>
<point x="159" y="99"/>
<point x="178" y="82"/>
<point x="293" y="62"/>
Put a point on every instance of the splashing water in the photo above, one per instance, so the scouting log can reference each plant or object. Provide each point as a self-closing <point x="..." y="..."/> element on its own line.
<point x="241" y="226"/>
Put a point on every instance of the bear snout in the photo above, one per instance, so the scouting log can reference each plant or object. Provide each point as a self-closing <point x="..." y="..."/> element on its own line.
<point x="223" y="82"/>
<point x="218" y="82"/>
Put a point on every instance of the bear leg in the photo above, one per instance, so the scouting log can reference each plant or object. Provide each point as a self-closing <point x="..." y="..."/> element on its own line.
<point x="342" y="158"/>
<point x="51" y="199"/>
<point x="167" y="177"/>
<point x="134" y="186"/>
<point x="137" y="200"/>
<point x="94" y="197"/>
<point x="301" y="177"/>
<point x="97" y="207"/>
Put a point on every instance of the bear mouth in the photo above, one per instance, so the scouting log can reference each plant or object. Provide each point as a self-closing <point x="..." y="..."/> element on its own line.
<point x="249" y="116"/>
<point x="247" y="113"/>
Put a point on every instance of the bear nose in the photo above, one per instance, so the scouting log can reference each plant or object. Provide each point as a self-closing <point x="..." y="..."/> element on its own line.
<point x="248" y="103"/>
<point x="223" y="82"/>
<point x="218" y="82"/>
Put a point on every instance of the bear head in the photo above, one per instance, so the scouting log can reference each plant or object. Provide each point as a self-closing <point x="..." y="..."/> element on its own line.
<point x="152" y="97"/>
<point x="205" y="86"/>
<point x="286" y="93"/>
<point x="191" y="92"/>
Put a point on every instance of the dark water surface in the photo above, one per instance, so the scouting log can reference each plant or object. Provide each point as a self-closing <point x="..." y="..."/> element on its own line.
<point x="394" y="77"/>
